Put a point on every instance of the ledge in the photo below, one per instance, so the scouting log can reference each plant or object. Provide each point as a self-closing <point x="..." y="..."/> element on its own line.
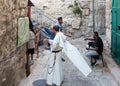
<point x="112" y="66"/>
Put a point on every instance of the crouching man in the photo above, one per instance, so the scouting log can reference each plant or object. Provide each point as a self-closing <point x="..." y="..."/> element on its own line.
<point x="95" y="47"/>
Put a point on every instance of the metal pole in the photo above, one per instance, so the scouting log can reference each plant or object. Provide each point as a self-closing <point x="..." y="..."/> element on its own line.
<point x="93" y="12"/>
<point x="27" y="61"/>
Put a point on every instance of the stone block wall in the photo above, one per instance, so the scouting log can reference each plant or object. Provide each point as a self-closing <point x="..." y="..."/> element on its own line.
<point x="108" y="23"/>
<point x="12" y="58"/>
<point x="65" y="9"/>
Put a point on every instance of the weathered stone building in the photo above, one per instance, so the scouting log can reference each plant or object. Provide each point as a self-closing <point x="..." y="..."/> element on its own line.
<point x="12" y="58"/>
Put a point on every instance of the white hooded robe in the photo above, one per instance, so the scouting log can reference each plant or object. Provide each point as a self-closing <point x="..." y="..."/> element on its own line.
<point x="56" y="75"/>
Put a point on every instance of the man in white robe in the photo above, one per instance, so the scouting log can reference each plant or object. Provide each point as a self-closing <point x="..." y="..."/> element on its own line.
<point x="55" y="72"/>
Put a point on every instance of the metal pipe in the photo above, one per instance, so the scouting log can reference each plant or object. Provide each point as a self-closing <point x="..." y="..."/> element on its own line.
<point x="93" y="15"/>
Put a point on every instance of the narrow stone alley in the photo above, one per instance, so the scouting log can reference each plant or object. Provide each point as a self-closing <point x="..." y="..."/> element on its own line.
<point x="72" y="77"/>
<point x="20" y="18"/>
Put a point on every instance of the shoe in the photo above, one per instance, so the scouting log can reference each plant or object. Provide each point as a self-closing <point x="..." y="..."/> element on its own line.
<point x="63" y="60"/>
<point x="31" y="62"/>
<point x="94" y="64"/>
<point x="48" y="85"/>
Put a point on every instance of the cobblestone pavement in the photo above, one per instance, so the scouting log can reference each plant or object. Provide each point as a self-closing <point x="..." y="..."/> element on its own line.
<point x="99" y="77"/>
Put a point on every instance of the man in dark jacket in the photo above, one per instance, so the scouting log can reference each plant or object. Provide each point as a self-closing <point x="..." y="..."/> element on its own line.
<point x="97" y="46"/>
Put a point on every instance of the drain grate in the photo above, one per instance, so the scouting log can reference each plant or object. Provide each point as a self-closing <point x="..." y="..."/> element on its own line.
<point x="39" y="83"/>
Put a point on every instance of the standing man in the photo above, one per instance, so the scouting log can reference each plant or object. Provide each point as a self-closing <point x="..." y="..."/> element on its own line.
<point x="54" y="65"/>
<point x="62" y="29"/>
<point x="59" y="23"/>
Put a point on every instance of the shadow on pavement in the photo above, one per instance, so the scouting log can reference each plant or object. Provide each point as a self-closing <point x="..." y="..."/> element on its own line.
<point x="39" y="83"/>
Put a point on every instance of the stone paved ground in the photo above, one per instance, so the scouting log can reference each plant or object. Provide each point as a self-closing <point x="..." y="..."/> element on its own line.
<point x="99" y="77"/>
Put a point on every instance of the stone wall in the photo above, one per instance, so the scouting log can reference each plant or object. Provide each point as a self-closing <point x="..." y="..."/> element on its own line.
<point x="12" y="58"/>
<point x="100" y="16"/>
<point x="64" y="8"/>
<point x="108" y="23"/>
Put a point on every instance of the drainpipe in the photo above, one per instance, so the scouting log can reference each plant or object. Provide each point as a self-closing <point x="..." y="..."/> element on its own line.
<point x="27" y="55"/>
<point x="29" y="12"/>
<point x="93" y="15"/>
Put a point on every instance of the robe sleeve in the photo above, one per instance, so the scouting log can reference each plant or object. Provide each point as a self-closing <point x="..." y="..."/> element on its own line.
<point x="54" y="42"/>
<point x="50" y="41"/>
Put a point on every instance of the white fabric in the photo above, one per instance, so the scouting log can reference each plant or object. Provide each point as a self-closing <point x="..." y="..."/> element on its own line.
<point x="55" y="76"/>
<point x="31" y="42"/>
<point x="91" y="52"/>
<point x="50" y="41"/>
<point x="72" y="53"/>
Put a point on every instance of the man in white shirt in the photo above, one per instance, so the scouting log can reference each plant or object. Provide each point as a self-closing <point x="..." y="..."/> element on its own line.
<point x="59" y="23"/>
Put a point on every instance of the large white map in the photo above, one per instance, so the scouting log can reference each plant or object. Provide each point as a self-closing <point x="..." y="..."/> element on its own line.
<point x="23" y="30"/>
